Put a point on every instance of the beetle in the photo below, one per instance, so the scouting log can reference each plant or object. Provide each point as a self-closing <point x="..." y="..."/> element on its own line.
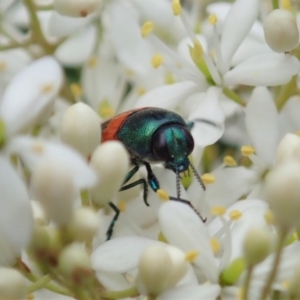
<point x="152" y="135"/>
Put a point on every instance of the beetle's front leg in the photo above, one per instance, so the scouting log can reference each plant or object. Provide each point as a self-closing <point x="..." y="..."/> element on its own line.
<point x="152" y="180"/>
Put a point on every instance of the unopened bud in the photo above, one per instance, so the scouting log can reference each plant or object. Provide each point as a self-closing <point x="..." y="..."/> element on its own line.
<point x="76" y="8"/>
<point x="257" y="245"/>
<point x="52" y="185"/>
<point x="74" y="262"/>
<point x="281" y="31"/>
<point x="12" y="284"/>
<point x="282" y="191"/>
<point x="80" y="128"/>
<point x="84" y="224"/>
<point x="287" y="148"/>
<point x="155" y="270"/>
<point x="111" y="162"/>
<point x="233" y="272"/>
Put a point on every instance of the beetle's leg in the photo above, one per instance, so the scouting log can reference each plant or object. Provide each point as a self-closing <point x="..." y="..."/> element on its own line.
<point x="110" y="229"/>
<point x="190" y="205"/>
<point x="139" y="181"/>
<point x="131" y="173"/>
<point x="152" y="180"/>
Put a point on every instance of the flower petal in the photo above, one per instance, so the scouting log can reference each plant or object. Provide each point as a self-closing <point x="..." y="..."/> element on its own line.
<point x="265" y="69"/>
<point x="262" y="123"/>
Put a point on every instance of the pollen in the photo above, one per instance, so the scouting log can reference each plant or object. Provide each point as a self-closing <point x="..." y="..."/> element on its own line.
<point x="76" y="89"/>
<point x="157" y="60"/>
<point x="197" y="50"/>
<point x="122" y="206"/>
<point x="176" y="7"/>
<point x="105" y="110"/>
<point x="213" y="19"/>
<point x="298" y="132"/>
<point x="285" y="284"/>
<point x="47" y="88"/>
<point x="286" y="4"/>
<point x="141" y="91"/>
<point x="247" y="150"/>
<point x="191" y="255"/>
<point x="218" y="210"/>
<point x="162" y="194"/>
<point x="92" y="62"/>
<point x="146" y="28"/>
<point x="235" y="215"/>
<point x="229" y="161"/>
<point x="269" y="217"/>
<point x="2" y="66"/>
<point x="208" y="178"/>
<point x="38" y="148"/>
<point x="215" y="245"/>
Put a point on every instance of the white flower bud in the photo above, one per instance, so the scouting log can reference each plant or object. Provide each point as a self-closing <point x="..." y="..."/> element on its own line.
<point x="76" y="8"/>
<point x="74" y="262"/>
<point x="84" y="224"/>
<point x="281" y="31"/>
<point x="282" y="191"/>
<point x="155" y="270"/>
<point x="287" y="148"/>
<point x="111" y="162"/>
<point x="257" y="245"/>
<point x="52" y="185"/>
<point x="80" y="128"/>
<point x="12" y="284"/>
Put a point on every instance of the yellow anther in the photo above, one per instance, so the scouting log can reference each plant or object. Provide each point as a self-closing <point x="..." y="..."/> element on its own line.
<point x="213" y="19"/>
<point x="141" y="91"/>
<point x="162" y="194"/>
<point x="176" y="7"/>
<point x="76" y="89"/>
<point x="286" y="4"/>
<point x="47" y="88"/>
<point x="122" y="205"/>
<point x="197" y="51"/>
<point x="215" y="245"/>
<point x="208" y="178"/>
<point x="146" y="28"/>
<point x="105" y="110"/>
<point x="2" y="65"/>
<point x="92" y="61"/>
<point x="169" y="78"/>
<point x="162" y="238"/>
<point x="298" y="132"/>
<point x="191" y="255"/>
<point x="129" y="72"/>
<point x="30" y="297"/>
<point x="295" y="236"/>
<point x="269" y="217"/>
<point x="38" y="148"/>
<point x="285" y="284"/>
<point x="157" y="60"/>
<point x="218" y="210"/>
<point x="229" y="161"/>
<point x="235" y="215"/>
<point x="247" y="150"/>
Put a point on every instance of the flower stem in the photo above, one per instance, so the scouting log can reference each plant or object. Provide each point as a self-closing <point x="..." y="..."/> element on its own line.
<point x="272" y="275"/>
<point x="247" y="283"/>
<point x="131" y="292"/>
<point x="39" y="284"/>
<point x="233" y="96"/>
<point x="286" y="92"/>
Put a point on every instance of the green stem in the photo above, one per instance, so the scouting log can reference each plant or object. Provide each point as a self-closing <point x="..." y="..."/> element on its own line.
<point x="85" y="198"/>
<point x="272" y="275"/>
<point x="39" y="284"/>
<point x="275" y="4"/>
<point x="234" y="96"/>
<point x="132" y="292"/>
<point x="247" y="283"/>
<point x="286" y="92"/>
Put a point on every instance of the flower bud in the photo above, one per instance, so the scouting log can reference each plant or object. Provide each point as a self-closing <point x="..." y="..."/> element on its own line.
<point x="111" y="162"/>
<point x="12" y="284"/>
<point x="74" y="262"/>
<point x="257" y="245"/>
<point x="80" y="128"/>
<point x="281" y="31"/>
<point x="282" y="191"/>
<point x="76" y="8"/>
<point x="287" y="148"/>
<point x="155" y="270"/>
<point x="52" y="185"/>
<point x="84" y="224"/>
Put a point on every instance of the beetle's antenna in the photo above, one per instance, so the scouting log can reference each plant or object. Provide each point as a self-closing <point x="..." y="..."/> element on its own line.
<point x="178" y="183"/>
<point x="197" y="176"/>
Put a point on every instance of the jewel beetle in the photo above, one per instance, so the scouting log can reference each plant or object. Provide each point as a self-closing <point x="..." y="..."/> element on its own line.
<point x="152" y="135"/>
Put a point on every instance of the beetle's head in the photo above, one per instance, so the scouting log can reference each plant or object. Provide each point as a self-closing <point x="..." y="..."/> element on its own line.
<point x="172" y="144"/>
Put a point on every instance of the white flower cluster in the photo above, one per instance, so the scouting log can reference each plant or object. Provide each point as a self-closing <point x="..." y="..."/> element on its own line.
<point x="70" y="228"/>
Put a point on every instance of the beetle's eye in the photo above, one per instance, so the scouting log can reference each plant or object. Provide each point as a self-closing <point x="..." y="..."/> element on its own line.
<point x="160" y="146"/>
<point x="189" y="141"/>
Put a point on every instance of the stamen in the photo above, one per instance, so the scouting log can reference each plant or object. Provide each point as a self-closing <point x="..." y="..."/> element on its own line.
<point x="197" y="51"/>
<point x="247" y="150"/>
<point x="76" y="90"/>
<point x="229" y="161"/>
<point x="92" y="62"/>
<point x="122" y="206"/>
<point x="146" y="28"/>
<point x="286" y="4"/>
<point x="163" y="195"/>
<point x="215" y="245"/>
<point x="157" y="60"/>
<point x="47" y="88"/>
<point x="235" y="215"/>
<point x="208" y="178"/>
<point x="176" y="7"/>
<point x="106" y="110"/>
<point x="213" y="19"/>
<point x="218" y="210"/>
<point x="191" y="255"/>
<point x="269" y="217"/>
<point x="141" y="91"/>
